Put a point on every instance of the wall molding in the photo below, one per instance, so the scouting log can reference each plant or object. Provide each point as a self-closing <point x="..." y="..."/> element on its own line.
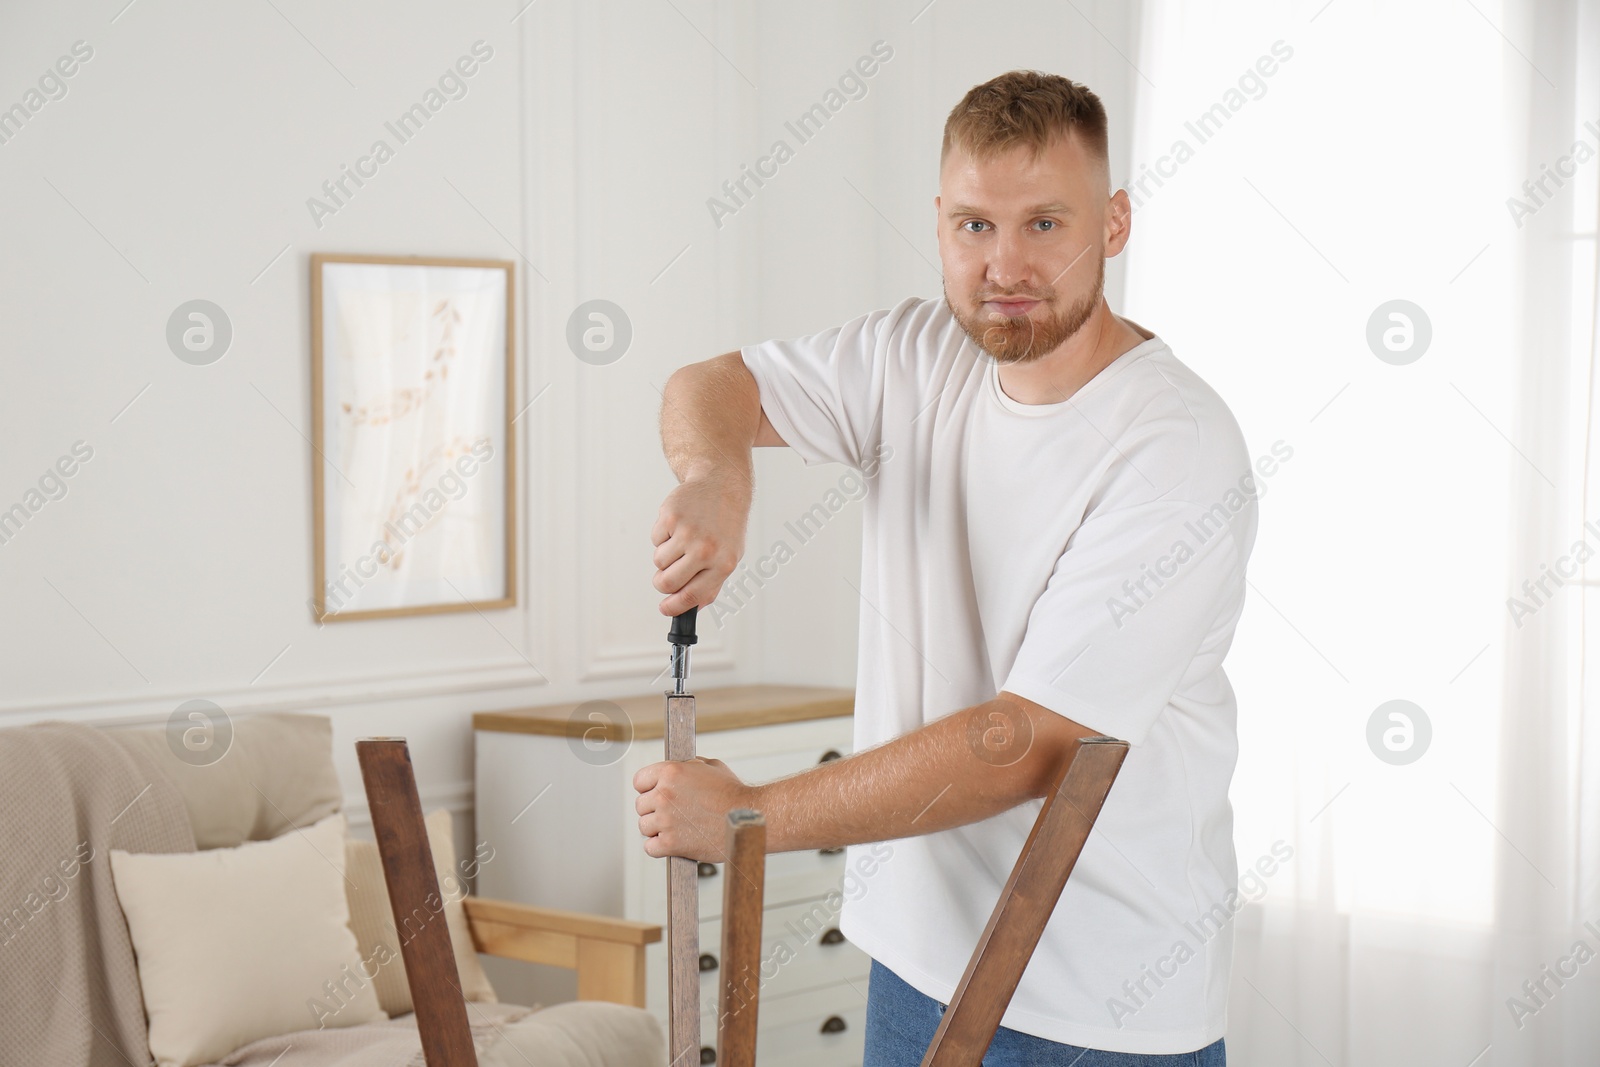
<point x="319" y="696"/>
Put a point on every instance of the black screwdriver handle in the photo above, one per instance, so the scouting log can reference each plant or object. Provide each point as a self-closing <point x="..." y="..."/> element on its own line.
<point x="682" y="632"/>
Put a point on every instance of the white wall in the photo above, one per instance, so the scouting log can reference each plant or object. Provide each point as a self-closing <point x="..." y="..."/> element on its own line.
<point x="177" y="165"/>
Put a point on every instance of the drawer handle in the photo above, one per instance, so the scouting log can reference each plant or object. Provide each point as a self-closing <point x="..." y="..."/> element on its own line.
<point x="708" y="962"/>
<point x="708" y="1054"/>
<point x="830" y="755"/>
<point x="829" y="851"/>
<point x="706" y="870"/>
<point x="833" y="1025"/>
<point x="832" y="936"/>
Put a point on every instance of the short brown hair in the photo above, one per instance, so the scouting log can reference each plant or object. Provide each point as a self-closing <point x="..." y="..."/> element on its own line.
<point x="1028" y="108"/>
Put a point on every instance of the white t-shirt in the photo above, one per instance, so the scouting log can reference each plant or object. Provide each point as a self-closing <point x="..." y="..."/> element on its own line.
<point x="997" y="540"/>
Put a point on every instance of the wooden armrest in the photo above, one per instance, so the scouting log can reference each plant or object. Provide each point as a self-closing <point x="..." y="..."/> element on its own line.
<point x="557" y="921"/>
<point x="607" y="953"/>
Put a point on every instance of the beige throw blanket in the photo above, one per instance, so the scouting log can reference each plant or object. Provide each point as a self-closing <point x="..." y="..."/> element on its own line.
<point x="69" y="988"/>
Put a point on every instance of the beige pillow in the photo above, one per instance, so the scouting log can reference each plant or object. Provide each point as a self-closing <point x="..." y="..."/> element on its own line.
<point x="372" y="919"/>
<point x="236" y="944"/>
<point x="276" y="772"/>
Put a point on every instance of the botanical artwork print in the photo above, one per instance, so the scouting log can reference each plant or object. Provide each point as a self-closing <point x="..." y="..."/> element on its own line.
<point x="414" y="364"/>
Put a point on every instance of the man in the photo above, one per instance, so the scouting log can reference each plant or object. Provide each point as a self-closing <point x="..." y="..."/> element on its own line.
<point x="1056" y="534"/>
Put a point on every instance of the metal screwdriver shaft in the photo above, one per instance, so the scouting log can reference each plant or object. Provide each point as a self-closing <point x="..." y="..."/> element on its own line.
<point x="683" y="891"/>
<point x="680" y="637"/>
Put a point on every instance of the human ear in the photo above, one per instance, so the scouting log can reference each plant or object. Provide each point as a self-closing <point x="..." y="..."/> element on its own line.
<point x="1119" y="222"/>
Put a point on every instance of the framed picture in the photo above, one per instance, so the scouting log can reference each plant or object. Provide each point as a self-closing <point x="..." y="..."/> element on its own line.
<point x="413" y="471"/>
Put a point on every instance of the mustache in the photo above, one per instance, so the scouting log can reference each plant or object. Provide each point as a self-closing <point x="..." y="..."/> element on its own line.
<point x="1026" y="294"/>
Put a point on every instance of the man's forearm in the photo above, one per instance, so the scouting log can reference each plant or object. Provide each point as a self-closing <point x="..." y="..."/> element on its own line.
<point x="710" y="421"/>
<point x="967" y="766"/>
<point x="710" y="413"/>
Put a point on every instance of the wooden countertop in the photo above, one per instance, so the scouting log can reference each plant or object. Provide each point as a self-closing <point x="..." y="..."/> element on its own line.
<point x="643" y="717"/>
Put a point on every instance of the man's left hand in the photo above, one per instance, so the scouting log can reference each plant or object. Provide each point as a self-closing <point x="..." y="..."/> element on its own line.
<point x="683" y="807"/>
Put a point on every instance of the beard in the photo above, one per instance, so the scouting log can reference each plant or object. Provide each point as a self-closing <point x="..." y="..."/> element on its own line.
<point x="1022" y="339"/>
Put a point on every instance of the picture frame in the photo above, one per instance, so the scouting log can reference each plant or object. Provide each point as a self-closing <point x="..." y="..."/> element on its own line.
<point x="413" y="381"/>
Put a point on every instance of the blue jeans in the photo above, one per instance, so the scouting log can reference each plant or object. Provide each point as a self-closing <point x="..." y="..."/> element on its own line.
<point x="901" y="1022"/>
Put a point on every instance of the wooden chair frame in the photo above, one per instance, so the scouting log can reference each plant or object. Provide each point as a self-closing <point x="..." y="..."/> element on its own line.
<point x="615" y="948"/>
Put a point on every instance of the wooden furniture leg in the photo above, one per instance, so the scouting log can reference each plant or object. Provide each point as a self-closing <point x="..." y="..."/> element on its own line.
<point x="683" y="912"/>
<point x="742" y="889"/>
<point x="1030" y="895"/>
<point x="436" y="995"/>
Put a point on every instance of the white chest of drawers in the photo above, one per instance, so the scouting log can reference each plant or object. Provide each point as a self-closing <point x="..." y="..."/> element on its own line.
<point x="555" y="802"/>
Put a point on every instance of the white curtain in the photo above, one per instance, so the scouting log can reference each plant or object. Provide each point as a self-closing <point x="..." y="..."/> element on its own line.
<point x="1297" y="169"/>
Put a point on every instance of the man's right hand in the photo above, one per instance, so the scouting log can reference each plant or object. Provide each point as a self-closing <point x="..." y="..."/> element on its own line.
<point x="699" y="538"/>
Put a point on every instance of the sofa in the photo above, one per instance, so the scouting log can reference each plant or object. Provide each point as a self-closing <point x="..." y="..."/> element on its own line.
<point x="70" y="985"/>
